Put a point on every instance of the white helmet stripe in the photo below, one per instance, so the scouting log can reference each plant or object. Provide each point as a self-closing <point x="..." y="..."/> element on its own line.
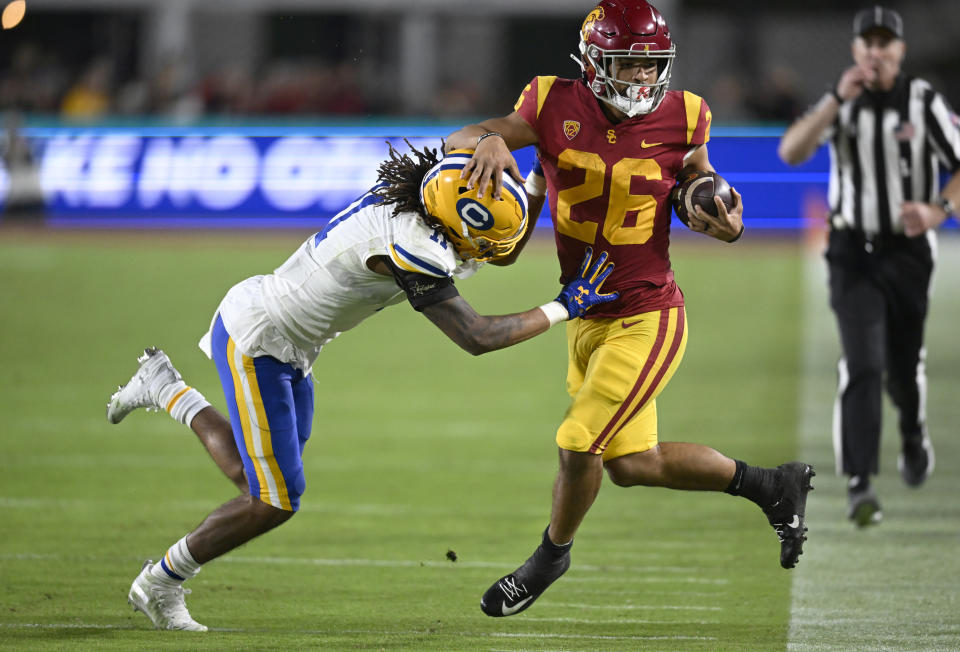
<point x="516" y="190"/>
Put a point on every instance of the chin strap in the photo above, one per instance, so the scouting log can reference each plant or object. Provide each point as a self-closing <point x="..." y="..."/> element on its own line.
<point x="579" y="61"/>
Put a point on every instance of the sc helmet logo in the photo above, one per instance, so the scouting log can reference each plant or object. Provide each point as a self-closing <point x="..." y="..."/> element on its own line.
<point x="588" y="23"/>
<point x="474" y="213"/>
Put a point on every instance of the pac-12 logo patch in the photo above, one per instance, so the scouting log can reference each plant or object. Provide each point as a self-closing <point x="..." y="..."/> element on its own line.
<point x="570" y="129"/>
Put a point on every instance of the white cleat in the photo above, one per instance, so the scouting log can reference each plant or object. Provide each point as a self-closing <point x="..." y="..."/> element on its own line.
<point x="163" y="604"/>
<point x="143" y="390"/>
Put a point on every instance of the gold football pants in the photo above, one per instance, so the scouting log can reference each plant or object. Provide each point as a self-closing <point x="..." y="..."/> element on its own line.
<point x="616" y="369"/>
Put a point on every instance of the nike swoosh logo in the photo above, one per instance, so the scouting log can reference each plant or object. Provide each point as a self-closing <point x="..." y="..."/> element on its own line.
<point x="628" y="324"/>
<point x="644" y="144"/>
<point x="795" y="523"/>
<point x="509" y="611"/>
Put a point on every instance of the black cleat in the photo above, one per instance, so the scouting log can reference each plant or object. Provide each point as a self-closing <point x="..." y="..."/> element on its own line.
<point x="915" y="461"/>
<point x="515" y="592"/>
<point x="864" y="508"/>
<point x="786" y="513"/>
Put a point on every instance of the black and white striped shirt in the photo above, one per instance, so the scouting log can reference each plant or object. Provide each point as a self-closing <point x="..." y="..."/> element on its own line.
<point x="886" y="148"/>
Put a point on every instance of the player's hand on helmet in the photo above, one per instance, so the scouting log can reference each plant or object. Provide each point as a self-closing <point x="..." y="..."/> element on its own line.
<point x="726" y="226"/>
<point x="583" y="292"/>
<point x="490" y="159"/>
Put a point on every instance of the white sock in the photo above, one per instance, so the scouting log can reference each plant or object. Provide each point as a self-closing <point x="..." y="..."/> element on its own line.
<point x="177" y="565"/>
<point x="182" y="401"/>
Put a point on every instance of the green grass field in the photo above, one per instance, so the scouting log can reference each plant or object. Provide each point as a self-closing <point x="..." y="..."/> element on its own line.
<point x="419" y="448"/>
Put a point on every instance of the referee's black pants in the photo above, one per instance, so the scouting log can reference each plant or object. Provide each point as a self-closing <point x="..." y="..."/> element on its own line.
<point x="879" y="292"/>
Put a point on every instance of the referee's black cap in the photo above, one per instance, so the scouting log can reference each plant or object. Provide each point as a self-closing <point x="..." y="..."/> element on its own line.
<point x="878" y="17"/>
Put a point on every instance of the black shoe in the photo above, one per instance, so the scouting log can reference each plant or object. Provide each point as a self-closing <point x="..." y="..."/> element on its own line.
<point x="863" y="506"/>
<point x="786" y="511"/>
<point x="916" y="459"/>
<point x="515" y="592"/>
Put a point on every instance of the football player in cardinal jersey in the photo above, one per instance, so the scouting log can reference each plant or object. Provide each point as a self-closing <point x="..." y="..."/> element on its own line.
<point x="409" y="236"/>
<point x="612" y="146"/>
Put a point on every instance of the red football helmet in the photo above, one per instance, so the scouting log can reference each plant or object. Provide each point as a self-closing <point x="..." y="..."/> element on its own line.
<point x="625" y="29"/>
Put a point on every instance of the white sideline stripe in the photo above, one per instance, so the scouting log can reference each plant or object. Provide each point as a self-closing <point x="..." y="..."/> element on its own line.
<point x="64" y="626"/>
<point x="339" y="632"/>
<point x="815" y="321"/>
<point x="388" y="563"/>
<point x="387" y="510"/>
<point x="414" y="563"/>
<point x="615" y="621"/>
<point x="620" y="607"/>
<point x="821" y="614"/>
<point x="401" y="563"/>
<point x="408" y="563"/>
<point x="600" y="637"/>
<point x="650" y="579"/>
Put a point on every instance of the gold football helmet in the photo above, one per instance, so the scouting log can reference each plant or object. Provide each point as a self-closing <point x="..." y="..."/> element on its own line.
<point x="480" y="229"/>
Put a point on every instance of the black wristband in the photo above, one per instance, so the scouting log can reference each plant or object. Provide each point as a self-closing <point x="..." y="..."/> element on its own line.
<point x="836" y="95"/>
<point x="487" y="135"/>
<point x="738" y="236"/>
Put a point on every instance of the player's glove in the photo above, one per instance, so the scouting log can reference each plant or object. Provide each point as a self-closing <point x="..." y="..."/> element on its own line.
<point x="583" y="292"/>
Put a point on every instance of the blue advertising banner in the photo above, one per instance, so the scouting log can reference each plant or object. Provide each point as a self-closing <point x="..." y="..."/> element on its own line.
<point x="272" y="177"/>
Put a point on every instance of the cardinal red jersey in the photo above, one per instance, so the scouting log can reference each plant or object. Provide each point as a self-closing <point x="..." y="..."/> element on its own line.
<point x="608" y="185"/>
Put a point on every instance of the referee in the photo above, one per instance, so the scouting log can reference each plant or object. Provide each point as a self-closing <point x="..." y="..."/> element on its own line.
<point x="888" y="133"/>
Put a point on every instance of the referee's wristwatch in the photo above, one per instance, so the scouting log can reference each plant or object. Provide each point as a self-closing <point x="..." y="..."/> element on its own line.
<point x="947" y="205"/>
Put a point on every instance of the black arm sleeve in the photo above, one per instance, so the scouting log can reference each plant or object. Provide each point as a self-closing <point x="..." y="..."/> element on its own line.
<point x="422" y="290"/>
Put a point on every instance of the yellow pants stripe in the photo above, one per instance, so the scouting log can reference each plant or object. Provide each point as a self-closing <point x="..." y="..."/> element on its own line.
<point x="273" y="488"/>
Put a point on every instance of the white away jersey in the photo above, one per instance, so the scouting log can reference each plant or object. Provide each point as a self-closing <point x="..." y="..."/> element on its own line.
<point x="326" y="288"/>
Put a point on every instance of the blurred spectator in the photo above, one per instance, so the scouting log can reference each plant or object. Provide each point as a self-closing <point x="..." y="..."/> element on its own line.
<point x="303" y="64"/>
<point x="457" y="99"/>
<point x="33" y="82"/>
<point x="345" y="96"/>
<point x="90" y="97"/>
<point x="727" y="98"/>
<point x="289" y="88"/>
<point x="229" y="91"/>
<point x="776" y="98"/>
<point x="171" y="93"/>
<point x="310" y="88"/>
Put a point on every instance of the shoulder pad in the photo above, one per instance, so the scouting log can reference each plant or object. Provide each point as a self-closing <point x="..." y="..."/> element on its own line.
<point x="533" y="96"/>
<point x="421" y="249"/>
<point x="698" y="118"/>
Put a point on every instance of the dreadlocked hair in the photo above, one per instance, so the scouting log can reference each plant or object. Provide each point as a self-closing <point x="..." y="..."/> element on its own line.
<point x="402" y="176"/>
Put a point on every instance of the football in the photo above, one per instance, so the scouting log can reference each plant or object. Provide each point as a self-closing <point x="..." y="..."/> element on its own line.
<point x="698" y="189"/>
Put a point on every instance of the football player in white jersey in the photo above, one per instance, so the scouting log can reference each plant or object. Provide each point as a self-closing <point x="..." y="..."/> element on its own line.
<point x="410" y="236"/>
